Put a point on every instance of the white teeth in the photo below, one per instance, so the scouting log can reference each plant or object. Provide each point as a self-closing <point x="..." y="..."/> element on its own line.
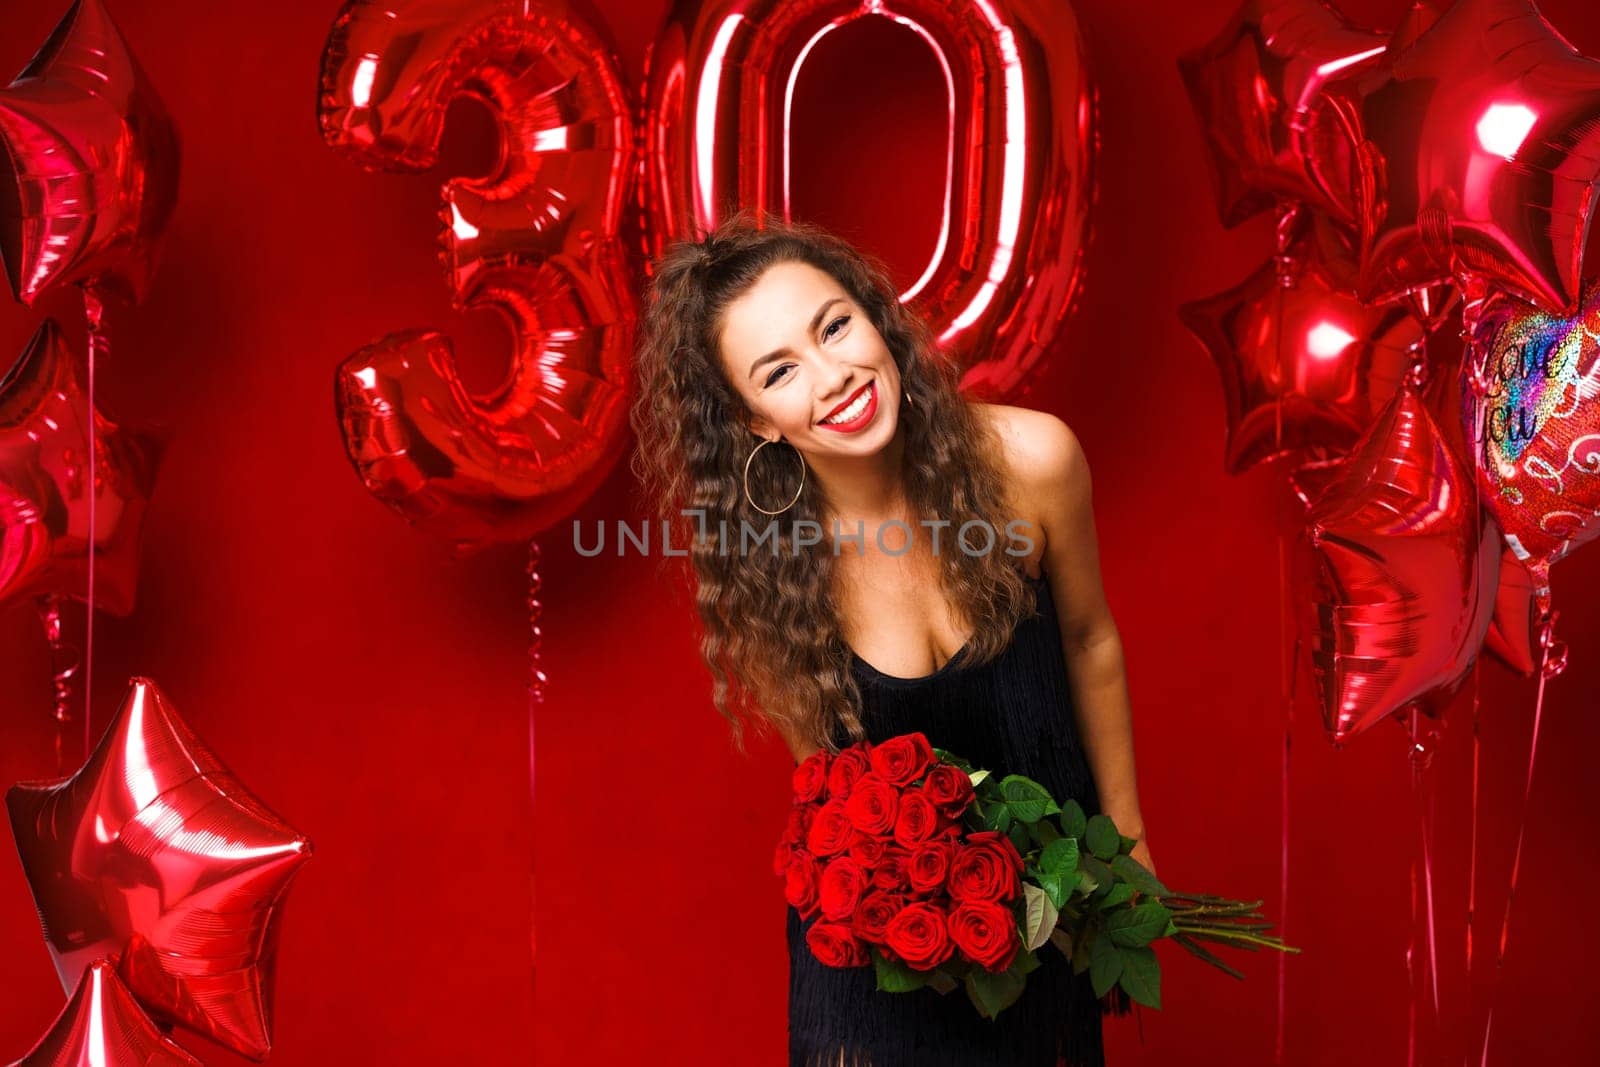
<point x="854" y="410"/>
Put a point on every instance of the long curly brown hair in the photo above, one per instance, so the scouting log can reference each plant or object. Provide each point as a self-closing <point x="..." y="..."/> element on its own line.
<point x="770" y="630"/>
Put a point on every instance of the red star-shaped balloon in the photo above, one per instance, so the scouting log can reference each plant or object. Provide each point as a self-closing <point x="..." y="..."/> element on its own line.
<point x="1479" y="153"/>
<point x="1253" y="88"/>
<point x="1406" y="573"/>
<point x="1304" y="367"/>
<point x="93" y="158"/>
<point x="1513" y="633"/>
<point x="104" y="1026"/>
<point x="45" y="485"/>
<point x="155" y="855"/>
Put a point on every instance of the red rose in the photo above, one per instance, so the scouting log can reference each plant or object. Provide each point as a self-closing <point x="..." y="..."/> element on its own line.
<point x="801" y="884"/>
<point x="1000" y="841"/>
<point x="930" y="865"/>
<point x="782" y="857"/>
<point x="847" y="766"/>
<point x="986" y="868"/>
<point x="917" y="821"/>
<point x="800" y="820"/>
<point x="874" y="913"/>
<point x="811" y="777"/>
<point x="843" y="882"/>
<point x="919" y="935"/>
<point x="901" y="760"/>
<point x="873" y="805"/>
<point x="986" y="933"/>
<point x="867" y="850"/>
<point x="894" y="869"/>
<point x="949" y="788"/>
<point x="831" y="830"/>
<point x="836" y="945"/>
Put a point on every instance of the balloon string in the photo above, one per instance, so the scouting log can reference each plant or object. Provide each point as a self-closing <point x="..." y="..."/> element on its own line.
<point x="1427" y="874"/>
<point x="1472" y="861"/>
<point x="1423" y="788"/>
<point x="64" y="663"/>
<point x="94" y="313"/>
<point x="1411" y="973"/>
<point x="1286" y="698"/>
<point x="1549" y="666"/>
<point x="536" y="690"/>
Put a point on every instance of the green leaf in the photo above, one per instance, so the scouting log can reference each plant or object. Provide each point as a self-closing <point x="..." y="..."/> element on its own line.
<point x="1138" y="925"/>
<point x="1105" y="965"/>
<point x="1044" y="832"/>
<point x="1120" y="893"/>
<point x="1062" y="941"/>
<point x="1060" y="856"/>
<point x="1055" y="887"/>
<point x="1040" y="918"/>
<point x="952" y="758"/>
<point x="941" y="982"/>
<point x="1072" y="819"/>
<point x="1095" y="873"/>
<point x="1080" y="951"/>
<point x="993" y="993"/>
<point x="895" y="977"/>
<point x="1141" y="976"/>
<point x="1019" y="836"/>
<point x="1127" y="843"/>
<point x="1138" y="875"/>
<point x="1026" y="798"/>
<point x="1025" y="963"/>
<point x="1101" y="836"/>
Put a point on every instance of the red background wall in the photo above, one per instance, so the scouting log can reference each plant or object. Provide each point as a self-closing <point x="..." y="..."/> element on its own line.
<point x="371" y="691"/>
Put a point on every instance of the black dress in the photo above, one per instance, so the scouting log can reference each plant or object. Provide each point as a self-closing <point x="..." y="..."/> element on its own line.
<point x="1012" y="715"/>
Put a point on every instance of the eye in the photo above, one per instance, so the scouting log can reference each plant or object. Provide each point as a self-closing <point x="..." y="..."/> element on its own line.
<point x="774" y="377"/>
<point x="827" y="331"/>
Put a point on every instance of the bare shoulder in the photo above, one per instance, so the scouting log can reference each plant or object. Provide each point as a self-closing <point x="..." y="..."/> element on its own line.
<point x="1042" y="453"/>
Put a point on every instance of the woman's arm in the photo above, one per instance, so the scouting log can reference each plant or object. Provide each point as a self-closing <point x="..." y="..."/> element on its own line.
<point x="1055" y="477"/>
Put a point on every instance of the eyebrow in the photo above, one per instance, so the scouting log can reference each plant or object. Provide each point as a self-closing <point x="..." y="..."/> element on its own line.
<point x="779" y="353"/>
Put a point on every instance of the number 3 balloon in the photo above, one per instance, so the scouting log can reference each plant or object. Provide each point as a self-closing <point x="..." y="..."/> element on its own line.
<point x="536" y="241"/>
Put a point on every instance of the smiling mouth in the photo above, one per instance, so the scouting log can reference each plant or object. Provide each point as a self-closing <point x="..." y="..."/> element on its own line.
<point x="852" y="408"/>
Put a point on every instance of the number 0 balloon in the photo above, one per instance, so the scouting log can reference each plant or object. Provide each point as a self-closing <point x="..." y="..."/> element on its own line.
<point x="1018" y="171"/>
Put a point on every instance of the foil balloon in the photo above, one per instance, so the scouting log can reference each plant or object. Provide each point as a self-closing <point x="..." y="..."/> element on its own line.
<point x="103" y="1026"/>
<point x="1253" y="88"/>
<point x="46" y="479"/>
<point x="153" y="854"/>
<point x="1478" y="152"/>
<point x="1018" y="176"/>
<point x="1406" y="568"/>
<point x="537" y="241"/>
<point x="1531" y="407"/>
<point x="88" y="164"/>
<point x="1514" y="630"/>
<point x="1304" y="367"/>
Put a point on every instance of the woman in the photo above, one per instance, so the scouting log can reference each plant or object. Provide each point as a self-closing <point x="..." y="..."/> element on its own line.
<point x="873" y="554"/>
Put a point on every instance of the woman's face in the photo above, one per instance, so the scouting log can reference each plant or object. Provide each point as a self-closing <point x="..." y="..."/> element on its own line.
<point x="809" y="364"/>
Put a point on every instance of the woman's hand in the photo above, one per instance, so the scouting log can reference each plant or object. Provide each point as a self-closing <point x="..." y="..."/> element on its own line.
<point x="1141" y="855"/>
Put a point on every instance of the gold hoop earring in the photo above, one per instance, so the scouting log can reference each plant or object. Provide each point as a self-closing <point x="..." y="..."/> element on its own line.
<point x="764" y="443"/>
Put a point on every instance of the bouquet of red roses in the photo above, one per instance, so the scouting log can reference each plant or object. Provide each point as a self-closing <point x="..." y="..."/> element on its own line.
<point x="938" y="875"/>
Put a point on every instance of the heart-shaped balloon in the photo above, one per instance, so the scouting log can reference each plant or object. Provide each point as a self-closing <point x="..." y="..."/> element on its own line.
<point x="1530" y="397"/>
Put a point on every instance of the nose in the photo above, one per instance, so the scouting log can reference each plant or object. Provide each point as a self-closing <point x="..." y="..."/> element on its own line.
<point x="832" y="377"/>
